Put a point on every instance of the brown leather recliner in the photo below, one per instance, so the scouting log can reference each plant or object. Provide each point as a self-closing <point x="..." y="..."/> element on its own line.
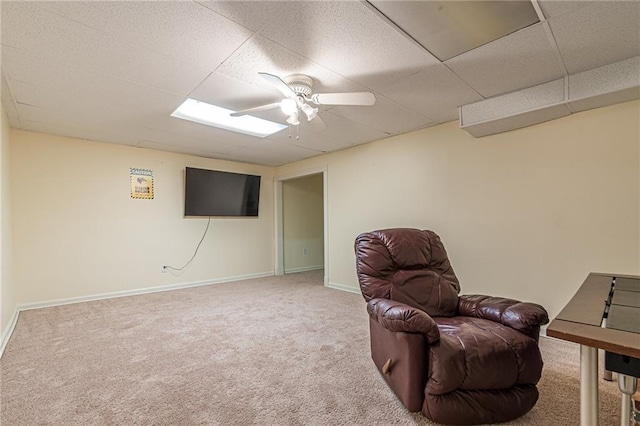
<point x="466" y="359"/>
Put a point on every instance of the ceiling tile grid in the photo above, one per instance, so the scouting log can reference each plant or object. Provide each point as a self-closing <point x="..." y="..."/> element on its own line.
<point x="78" y="46"/>
<point x="553" y="8"/>
<point x="384" y="115"/>
<point x="340" y="133"/>
<point x="348" y="38"/>
<point x="434" y="92"/>
<point x="597" y="34"/>
<point x="253" y="15"/>
<point x="521" y="60"/>
<point x="232" y="93"/>
<point x="262" y="55"/>
<point x="80" y="131"/>
<point x="115" y="71"/>
<point x="183" y="30"/>
<point x="273" y="153"/>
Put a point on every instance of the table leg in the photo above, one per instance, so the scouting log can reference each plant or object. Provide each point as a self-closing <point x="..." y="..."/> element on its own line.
<point x="627" y="386"/>
<point x="588" y="386"/>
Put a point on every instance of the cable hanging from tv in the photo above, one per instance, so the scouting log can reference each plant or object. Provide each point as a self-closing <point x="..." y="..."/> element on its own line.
<point x="194" y="253"/>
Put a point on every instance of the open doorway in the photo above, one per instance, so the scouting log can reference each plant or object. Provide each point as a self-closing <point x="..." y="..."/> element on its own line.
<point x="301" y="222"/>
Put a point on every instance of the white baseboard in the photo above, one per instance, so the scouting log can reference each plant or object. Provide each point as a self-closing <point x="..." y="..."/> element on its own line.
<point x="303" y="269"/>
<point x="343" y="287"/>
<point x="6" y="335"/>
<point x="59" y="302"/>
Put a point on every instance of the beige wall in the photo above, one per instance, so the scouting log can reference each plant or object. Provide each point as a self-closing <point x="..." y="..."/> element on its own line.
<point x="525" y="214"/>
<point x="78" y="233"/>
<point x="7" y="284"/>
<point x="303" y="223"/>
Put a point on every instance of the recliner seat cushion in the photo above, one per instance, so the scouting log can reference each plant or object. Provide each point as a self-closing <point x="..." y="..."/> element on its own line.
<point x="479" y="354"/>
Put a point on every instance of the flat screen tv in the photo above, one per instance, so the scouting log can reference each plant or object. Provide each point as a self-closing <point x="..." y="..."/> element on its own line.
<point x="217" y="193"/>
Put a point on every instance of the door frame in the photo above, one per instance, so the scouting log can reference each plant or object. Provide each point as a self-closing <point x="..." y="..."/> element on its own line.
<point x="278" y="216"/>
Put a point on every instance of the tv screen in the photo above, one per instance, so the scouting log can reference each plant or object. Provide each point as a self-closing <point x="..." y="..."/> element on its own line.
<point x="217" y="193"/>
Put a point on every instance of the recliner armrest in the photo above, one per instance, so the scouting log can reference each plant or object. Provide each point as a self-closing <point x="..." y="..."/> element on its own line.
<point x="396" y="316"/>
<point x="522" y="316"/>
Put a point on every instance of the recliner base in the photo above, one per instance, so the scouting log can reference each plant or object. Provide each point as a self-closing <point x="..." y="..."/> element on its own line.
<point x="407" y="372"/>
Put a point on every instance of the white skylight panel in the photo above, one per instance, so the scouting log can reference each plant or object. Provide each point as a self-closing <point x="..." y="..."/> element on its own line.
<point x="212" y="115"/>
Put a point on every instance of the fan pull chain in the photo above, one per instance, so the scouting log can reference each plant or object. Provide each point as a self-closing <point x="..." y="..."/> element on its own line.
<point x="297" y="133"/>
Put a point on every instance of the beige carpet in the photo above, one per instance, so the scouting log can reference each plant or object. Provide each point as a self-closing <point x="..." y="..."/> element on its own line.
<point x="271" y="351"/>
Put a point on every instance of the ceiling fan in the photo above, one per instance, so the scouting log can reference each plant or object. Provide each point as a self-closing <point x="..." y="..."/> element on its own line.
<point x="298" y="93"/>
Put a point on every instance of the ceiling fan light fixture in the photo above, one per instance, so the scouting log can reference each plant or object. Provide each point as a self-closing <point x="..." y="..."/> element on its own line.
<point x="289" y="106"/>
<point x="293" y="119"/>
<point x="310" y="111"/>
<point x="215" y="116"/>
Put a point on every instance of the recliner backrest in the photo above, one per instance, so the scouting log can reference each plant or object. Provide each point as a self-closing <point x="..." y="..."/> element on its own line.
<point x="409" y="266"/>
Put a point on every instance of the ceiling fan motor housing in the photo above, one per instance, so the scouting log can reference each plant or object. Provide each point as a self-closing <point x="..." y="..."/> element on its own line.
<point x="302" y="85"/>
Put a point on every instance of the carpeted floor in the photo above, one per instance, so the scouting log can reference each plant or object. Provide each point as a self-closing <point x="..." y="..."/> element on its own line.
<point x="270" y="351"/>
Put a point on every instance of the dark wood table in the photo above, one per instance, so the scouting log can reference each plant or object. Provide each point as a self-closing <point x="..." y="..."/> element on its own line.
<point x="581" y="321"/>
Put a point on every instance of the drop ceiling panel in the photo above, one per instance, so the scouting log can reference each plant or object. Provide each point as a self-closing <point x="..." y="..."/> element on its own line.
<point x="521" y="60"/>
<point x="185" y="130"/>
<point x="74" y="115"/>
<point x="212" y="145"/>
<point x="552" y="8"/>
<point x="384" y="115"/>
<point x="233" y="94"/>
<point x="274" y="153"/>
<point x="449" y="28"/>
<point x="179" y="149"/>
<point x="48" y="36"/>
<point x="90" y="132"/>
<point x="206" y="41"/>
<point x="307" y="137"/>
<point x="350" y="131"/>
<point x="339" y="134"/>
<point x="251" y="14"/>
<point x="63" y="88"/>
<point x="435" y="92"/>
<point x="348" y="38"/>
<point x="597" y="34"/>
<point x="262" y="55"/>
<point x="114" y="71"/>
<point x="94" y="14"/>
<point x="121" y="62"/>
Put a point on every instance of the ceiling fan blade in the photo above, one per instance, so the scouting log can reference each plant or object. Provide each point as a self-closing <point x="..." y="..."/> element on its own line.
<point x="349" y="98"/>
<point x="256" y="109"/>
<point x="277" y="82"/>
<point x="317" y="124"/>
